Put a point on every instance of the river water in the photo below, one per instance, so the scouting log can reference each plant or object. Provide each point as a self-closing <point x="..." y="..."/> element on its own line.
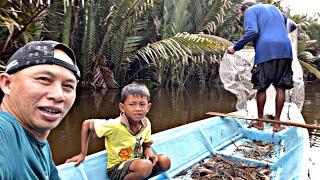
<point x="170" y="108"/>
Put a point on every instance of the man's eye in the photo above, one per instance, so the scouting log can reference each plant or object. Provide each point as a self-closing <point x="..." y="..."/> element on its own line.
<point x="69" y="86"/>
<point x="44" y="79"/>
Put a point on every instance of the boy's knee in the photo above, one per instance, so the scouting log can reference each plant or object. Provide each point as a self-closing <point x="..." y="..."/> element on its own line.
<point x="164" y="162"/>
<point x="143" y="167"/>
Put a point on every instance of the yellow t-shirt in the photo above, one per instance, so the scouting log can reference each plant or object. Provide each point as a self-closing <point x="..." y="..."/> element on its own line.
<point x="120" y="143"/>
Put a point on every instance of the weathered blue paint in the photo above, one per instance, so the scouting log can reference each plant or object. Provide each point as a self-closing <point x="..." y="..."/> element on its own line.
<point x="189" y="144"/>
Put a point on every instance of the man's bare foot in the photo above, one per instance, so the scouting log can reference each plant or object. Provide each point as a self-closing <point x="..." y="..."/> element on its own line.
<point x="277" y="128"/>
<point x="258" y="125"/>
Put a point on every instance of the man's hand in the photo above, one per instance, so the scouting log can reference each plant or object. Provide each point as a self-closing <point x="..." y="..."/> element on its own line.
<point x="77" y="159"/>
<point x="230" y="50"/>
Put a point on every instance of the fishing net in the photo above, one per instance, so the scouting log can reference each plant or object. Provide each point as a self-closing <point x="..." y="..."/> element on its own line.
<point x="235" y="74"/>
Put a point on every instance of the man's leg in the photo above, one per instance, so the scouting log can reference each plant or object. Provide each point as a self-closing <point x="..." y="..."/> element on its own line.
<point x="280" y="98"/>
<point x="261" y="100"/>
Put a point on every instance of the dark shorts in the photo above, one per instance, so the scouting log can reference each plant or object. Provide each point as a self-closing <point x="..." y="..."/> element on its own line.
<point x="277" y="72"/>
<point x="120" y="170"/>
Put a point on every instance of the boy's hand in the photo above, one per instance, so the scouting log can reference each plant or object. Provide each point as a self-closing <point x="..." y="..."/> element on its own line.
<point x="77" y="159"/>
<point x="153" y="158"/>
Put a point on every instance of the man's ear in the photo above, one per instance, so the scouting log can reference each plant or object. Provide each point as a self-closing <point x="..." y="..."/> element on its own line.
<point x="121" y="107"/>
<point x="5" y="81"/>
<point x="149" y="106"/>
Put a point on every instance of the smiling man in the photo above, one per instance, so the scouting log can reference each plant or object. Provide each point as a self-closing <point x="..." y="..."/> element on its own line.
<point x="39" y="87"/>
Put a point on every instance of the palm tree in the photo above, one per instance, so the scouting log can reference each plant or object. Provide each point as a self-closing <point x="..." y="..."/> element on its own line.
<point x="170" y="42"/>
<point x="182" y="57"/>
<point x="20" y="23"/>
<point x="110" y="53"/>
<point x="107" y="36"/>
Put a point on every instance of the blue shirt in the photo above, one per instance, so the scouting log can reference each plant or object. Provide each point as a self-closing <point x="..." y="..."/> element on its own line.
<point x="265" y="26"/>
<point x="22" y="156"/>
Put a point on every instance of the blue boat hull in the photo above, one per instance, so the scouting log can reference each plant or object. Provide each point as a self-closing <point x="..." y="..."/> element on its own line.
<point x="187" y="145"/>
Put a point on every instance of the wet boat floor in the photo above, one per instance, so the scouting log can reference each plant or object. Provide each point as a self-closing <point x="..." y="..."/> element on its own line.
<point x="229" y="162"/>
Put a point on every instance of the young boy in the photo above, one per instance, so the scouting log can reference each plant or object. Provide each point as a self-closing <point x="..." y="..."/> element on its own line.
<point x="127" y="138"/>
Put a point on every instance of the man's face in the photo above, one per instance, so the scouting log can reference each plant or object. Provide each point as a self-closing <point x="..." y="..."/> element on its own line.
<point x="135" y="107"/>
<point x="41" y="95"/>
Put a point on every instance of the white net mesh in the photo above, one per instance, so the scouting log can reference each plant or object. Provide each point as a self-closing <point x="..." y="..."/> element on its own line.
<point x="235" y="74"/>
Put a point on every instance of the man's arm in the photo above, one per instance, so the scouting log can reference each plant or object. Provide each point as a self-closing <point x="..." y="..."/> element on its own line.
<point x="251" y="30"/>
<point x="87" y="128"/>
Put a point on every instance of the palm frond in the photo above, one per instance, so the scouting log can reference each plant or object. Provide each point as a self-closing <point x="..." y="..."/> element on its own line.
<point x="67" y="25"/>
<point x="181" y="47"/>
<point x="22" y="22"/>
<point x="168" y="7"/>
<point x="310" y="69"/>
<point x="179" y="16"/>
<point x="90" y="38"/>
<point x="216" y="12"/>
<point x="125" y="24"/>
<point x="108" y="77"/>
<point x="121" y="47"/>
<point x="197" y="9"/>
<point x="118" y="14"/>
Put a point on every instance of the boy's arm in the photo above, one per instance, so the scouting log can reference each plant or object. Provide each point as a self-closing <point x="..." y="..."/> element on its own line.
<point x="87" y="128"/>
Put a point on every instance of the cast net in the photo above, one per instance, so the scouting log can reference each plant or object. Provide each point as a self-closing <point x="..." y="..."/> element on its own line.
<point x="235" y="74"/>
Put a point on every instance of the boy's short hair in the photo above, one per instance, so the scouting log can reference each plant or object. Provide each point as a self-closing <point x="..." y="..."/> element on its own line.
<point x="135" y="90"/>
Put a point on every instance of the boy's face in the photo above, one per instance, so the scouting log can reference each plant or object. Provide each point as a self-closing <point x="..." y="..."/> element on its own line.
<point x="135" y="107"/>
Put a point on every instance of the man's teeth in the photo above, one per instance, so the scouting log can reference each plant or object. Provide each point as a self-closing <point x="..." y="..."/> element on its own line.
<point x="51" y="111"/>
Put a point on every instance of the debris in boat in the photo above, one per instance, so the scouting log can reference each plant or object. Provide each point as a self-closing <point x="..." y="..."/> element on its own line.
<point x="259" y="150"/>
<point x="219" y="168"/>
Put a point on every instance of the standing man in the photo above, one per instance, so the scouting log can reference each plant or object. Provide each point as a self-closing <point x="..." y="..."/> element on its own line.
<point x="39" y="87"/>
<point x="265" y="27"/>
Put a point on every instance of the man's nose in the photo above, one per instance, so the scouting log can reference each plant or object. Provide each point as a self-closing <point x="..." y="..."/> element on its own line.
<point x="56" y="93"/>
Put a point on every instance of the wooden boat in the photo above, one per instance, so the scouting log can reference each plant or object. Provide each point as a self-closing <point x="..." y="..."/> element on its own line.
<point x="189" y="144"/>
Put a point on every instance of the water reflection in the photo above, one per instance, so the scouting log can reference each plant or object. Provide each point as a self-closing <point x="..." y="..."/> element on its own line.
<point x="170" y="108"/>
<point x="311" y="112"/>
<point x="175" y="107"/>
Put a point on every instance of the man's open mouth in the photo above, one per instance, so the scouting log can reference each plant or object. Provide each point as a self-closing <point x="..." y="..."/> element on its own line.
<point x="50" y="110"/>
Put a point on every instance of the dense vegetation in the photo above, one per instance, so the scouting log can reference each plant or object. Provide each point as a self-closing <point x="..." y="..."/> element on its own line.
<point x="164" y="42"/>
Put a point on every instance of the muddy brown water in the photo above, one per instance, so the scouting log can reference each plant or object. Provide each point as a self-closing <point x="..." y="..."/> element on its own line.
<point x="170" y="108"/>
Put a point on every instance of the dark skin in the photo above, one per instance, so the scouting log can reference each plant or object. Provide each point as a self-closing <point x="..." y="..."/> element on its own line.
<point x="134" y="126"/>
<point x="261" y="99"/>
